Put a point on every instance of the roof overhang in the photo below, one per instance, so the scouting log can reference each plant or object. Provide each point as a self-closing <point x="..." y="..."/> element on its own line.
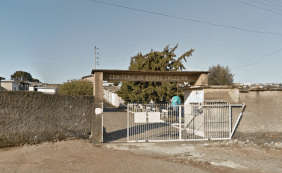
<point x="151" y="76"/>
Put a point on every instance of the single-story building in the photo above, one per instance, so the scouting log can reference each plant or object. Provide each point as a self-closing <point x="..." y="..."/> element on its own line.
<point x="1" y="78"/>
<point x="11" y="85"/>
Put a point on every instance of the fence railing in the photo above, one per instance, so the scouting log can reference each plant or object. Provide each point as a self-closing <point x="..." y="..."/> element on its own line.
<point x="164" y="122"/>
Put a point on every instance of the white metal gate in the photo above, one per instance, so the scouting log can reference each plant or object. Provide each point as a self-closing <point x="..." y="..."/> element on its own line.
<point x="163" y="122"/>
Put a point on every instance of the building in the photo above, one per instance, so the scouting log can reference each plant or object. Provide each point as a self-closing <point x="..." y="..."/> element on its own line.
<point x="11" y="85"/>
<point x="1" y="78"/>
<point x="43" y="87"/>
<point x="90" y="78"/>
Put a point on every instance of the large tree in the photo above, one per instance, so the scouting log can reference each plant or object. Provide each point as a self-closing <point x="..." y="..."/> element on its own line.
<point x="25" y="75"/>
<point x="220" y="75"/>
<point x="153" y="61"/>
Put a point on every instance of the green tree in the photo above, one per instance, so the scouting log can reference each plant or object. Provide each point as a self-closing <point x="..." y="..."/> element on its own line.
<point x="76" y="87"/>
<point x="220" y="75"/>
<point x="153" y="61"/>
<point x="26" y="76"/>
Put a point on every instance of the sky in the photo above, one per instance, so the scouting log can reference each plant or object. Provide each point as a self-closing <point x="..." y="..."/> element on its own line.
<point x="54" y="40"/>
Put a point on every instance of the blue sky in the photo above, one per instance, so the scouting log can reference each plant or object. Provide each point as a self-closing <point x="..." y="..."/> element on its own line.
<point x="54" y="40"/>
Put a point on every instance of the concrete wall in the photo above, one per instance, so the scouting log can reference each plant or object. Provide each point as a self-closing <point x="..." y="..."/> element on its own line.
<point x="34" y="117"/>
<point x="263" y="112"/>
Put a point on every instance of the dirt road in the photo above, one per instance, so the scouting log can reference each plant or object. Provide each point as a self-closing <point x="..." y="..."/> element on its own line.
<point x="82" y="156"/>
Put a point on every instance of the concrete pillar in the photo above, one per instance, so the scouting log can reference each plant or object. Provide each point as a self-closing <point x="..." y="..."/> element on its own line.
<point x="202" y="80"/>
<point x="97" y="117"/>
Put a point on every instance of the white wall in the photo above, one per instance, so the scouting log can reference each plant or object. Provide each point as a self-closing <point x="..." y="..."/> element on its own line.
<point x="47" y="90"/>
<point x="113" y="98"/>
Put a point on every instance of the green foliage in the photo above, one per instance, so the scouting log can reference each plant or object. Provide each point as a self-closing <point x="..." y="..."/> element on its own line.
<point x="220" y="75"/>
<point x="26" y="76"/>
<point x="153" y="61"/>
<point x="76" y="87"/>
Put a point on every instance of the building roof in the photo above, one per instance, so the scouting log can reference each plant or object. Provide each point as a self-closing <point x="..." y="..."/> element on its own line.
<point x="154" y="76"/>
<point x="139" y="72"/>
<point x="9" y="81"/>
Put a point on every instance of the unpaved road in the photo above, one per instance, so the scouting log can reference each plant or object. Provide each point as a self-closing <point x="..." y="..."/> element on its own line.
<point x="82" y="156"/>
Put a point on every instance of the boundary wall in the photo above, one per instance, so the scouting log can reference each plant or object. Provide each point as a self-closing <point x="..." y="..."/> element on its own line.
<point x="263" y="112"/>
<point x="32" y="117"/>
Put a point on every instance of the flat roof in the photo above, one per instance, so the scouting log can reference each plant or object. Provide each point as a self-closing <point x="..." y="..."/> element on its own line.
<point x="139" y="72"/>
<point x="152" y="76"/>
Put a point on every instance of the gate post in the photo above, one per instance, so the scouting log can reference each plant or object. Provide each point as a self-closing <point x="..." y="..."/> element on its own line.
<point x="180" y="119"/>
<point x="97" y="117"/>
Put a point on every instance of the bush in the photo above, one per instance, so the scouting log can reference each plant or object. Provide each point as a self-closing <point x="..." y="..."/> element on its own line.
<point x="76" y="88"/>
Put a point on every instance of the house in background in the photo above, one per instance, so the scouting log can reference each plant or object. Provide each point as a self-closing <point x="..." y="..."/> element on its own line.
<point x="11" y="85"/>
<point x="90" y="79"/>
<point x="43" y="87"/>
<point x="1" y="78"/>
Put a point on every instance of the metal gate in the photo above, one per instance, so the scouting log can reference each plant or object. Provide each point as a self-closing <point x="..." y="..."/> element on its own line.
<point x="163" y="122"/>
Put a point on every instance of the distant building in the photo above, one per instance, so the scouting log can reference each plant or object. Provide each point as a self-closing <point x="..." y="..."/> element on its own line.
<point x="1" y="78"/>
<point x="90" y="78"/>
<point x="11" y="85"/>
<point x="43" y="87"/>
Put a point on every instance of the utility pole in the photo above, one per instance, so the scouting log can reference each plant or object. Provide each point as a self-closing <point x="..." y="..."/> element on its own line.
<point x="95" y="56"/>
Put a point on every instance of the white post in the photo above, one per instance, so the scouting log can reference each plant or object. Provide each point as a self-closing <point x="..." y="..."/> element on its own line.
<point x="179" y="107"/>
<point x="230" y="121"/>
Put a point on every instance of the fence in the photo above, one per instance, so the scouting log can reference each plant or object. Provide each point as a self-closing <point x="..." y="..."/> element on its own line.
<point x="153" y="123"/>
<point x="113" y="98"/>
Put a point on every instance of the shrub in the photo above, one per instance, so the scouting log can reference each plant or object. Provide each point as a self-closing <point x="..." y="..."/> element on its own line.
<point x="76" y="87"/>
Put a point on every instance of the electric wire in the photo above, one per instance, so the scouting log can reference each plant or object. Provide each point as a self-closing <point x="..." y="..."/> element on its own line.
<point x="266" y="5"/>
<point x="273" y="3"/>
<point x="258" y="59"/>
<point x="258" y="7"/>
<point x="208" y="23"/>
<point x="187" y="19"/>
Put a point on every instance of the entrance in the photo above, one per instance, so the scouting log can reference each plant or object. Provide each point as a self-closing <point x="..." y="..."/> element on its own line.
<point x="199" y="78"/>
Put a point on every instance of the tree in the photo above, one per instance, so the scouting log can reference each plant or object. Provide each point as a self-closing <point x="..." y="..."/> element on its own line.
<point x="220" y="75"/>
<point x="76" y="87"/>
<point x="18" y="75"/>
<point x="153" y="61"/>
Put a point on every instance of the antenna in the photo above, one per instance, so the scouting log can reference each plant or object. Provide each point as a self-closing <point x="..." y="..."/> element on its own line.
<point x="96" y="58"/>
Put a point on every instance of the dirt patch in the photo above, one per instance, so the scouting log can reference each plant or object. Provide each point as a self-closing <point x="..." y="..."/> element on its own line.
<point x="259" y="138"/>
<point x="82" y="156"/>
<point x="222" y="156"/>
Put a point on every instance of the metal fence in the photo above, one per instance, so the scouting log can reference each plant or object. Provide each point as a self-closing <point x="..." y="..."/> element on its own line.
<point x="164" y="122"/>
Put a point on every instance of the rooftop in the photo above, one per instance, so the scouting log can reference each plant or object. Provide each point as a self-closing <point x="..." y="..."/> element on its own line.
<point x="139" y="72"/>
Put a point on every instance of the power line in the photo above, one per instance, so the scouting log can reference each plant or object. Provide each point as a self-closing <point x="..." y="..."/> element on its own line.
<point x="259" y="59"/>
<point x="266" y="5"/>
<point x="187" y="19"/>
<point x="273" y="3"/>
<point x="258" y="7"/>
